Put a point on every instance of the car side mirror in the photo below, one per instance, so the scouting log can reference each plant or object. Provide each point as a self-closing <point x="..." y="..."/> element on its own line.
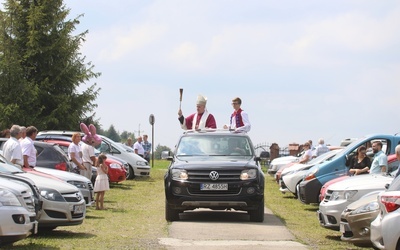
<point x="387" y="185"/>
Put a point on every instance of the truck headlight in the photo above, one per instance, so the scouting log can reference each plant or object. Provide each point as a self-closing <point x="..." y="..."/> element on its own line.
<point x="179" y="174"/>
<point x="248" y="174"/>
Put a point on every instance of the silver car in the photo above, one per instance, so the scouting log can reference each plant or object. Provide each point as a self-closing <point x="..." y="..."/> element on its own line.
<point x="17" y="210"/>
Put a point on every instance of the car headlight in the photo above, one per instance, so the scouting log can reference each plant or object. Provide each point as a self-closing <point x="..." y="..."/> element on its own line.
<point x="370" y="207"/>
<point x="349" y="194"/>
<point x="7" y="198"/>
<point x="311" y="175"/>
<point x="79" y="184"/>
<point x="248" y="174"/>
<point x="51" y="194"/>
<point x="141" y="163"/>
<point x="115" y="165"/>
<point x="179" y="174"/>
<point x="342" y="195"/>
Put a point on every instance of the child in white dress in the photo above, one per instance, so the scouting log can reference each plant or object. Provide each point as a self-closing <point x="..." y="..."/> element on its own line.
<point x="101" y="185"/>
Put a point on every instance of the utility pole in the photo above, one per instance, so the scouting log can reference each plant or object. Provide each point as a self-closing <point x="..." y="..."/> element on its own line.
<point x="138" y="131"/>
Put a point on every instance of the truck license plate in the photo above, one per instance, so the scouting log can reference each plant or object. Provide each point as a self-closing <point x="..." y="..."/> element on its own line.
<point x="214" y="186"/>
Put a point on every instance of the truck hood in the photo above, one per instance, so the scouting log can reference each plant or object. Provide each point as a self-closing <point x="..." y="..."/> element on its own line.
<point x="208" y="163"/>
<point x="43" y="182"/>
<point x="367" y="181"/>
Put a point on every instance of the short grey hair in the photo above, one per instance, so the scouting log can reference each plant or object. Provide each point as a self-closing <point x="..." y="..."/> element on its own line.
<point x="14" y="130"/>
<point x="321" y="141"/>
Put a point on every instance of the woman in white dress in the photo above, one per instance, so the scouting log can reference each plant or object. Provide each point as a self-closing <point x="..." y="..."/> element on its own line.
<point x="101" y="185"/>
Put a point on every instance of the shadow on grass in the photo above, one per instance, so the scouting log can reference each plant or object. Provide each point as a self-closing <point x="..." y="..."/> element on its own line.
<point x="115" y="185"/>
<point x="333" y="237"/>
<point x="31" y="246"/>
<point x="311" y="209"/>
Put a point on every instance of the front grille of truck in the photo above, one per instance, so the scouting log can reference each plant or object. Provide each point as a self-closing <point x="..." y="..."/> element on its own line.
<point x="224" y="175"/>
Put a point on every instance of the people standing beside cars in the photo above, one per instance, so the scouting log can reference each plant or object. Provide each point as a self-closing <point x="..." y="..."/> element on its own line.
<point x="199" y="120"/>
<point x="138" y="148"/>
<point x="29" y="151"/>
<point x="320" y="149"/>
<point x="12" y="149"/>
<point x="360" y="163"/>
<point x="101" y="185"/>
<point x="88" y="159"/>
<point x="307" y="154"/>
<point x="147" y="148"/>
<point x="239" y="121"/>
<point x="75" y="154"/>
<point x="5" y="133"/>
<point x="380" y="163"/>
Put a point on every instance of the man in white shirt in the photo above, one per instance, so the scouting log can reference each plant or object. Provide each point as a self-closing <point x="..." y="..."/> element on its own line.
<point x="139" y="150"/>
<point x="28" y="148"/>
<point x="320" y="149"/>
<point x="88" y="158"/>
<point x="12" y="149"/>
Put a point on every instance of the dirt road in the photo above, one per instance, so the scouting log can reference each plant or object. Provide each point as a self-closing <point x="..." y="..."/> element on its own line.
<point x="203" y="229"/>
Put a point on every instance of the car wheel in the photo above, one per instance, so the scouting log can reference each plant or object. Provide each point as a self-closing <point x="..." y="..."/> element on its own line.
<point x="257" y="215"/>
<point x="130" y="174"/>
<point x="297" y="191"/>
<point x="171" y="214"/>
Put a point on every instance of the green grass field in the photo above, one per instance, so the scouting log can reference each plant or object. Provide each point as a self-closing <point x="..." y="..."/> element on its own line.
<point x="134" y="219"/>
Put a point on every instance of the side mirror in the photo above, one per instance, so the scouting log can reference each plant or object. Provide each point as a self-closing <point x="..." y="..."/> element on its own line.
<point x="387" y="185"/>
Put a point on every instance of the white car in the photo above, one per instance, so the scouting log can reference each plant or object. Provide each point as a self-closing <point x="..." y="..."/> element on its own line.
<point x="279" y="162"/>
<point x="385" y="229"/>
<point x="339" y="195"/>
<point x="17" y="212"/>
<point x="293" y="175"/>
<point x="63" y="203"/>
<point x="79" y="181"/>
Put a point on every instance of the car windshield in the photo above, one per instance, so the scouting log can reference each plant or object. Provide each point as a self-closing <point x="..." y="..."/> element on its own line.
<point x="214" y="145"/>
<point x="324" y="157"/>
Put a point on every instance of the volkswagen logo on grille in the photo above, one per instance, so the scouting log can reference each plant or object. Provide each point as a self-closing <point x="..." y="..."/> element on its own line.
<point x="214" y="175"/>
<point x="78" y="196"/>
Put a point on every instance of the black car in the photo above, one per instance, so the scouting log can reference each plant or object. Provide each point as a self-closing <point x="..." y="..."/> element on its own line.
<point x="216" y="170"/>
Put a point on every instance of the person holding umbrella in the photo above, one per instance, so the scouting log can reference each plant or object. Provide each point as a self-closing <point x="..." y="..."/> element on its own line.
<point x="199" y="120"/>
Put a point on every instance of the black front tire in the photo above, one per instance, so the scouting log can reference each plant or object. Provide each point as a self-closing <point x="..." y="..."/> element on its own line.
<point x="171" y="214"/>
<point x="130" y="174"/>
<point x="257" y="215"/>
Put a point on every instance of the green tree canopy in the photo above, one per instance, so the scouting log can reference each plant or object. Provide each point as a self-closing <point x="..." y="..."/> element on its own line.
<point x="41" y="67"/>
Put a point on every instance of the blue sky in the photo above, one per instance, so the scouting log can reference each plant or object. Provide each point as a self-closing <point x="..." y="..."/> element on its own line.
<point x="303" y="69"/>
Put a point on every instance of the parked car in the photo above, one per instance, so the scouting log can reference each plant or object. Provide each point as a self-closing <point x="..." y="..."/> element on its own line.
<point x="318" y="175"/>
<point x="137" y="165"/>
<point x="341" y="194"/>
<point x="385" y="230"/>
<point x="81" y="182"/>
<point x="206" y="173"/>
<point x="48" y="155"/>
<point x="63" y="203"/>
<point x="279" y="162"/>
<point x="292" y="176"/>
<point x="356" y="219"/>
<point x="117" y="167"/>
<point x="17" y="212"/>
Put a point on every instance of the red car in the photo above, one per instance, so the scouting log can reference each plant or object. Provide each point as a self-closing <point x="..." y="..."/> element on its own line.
<point x="116" y="172"/>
